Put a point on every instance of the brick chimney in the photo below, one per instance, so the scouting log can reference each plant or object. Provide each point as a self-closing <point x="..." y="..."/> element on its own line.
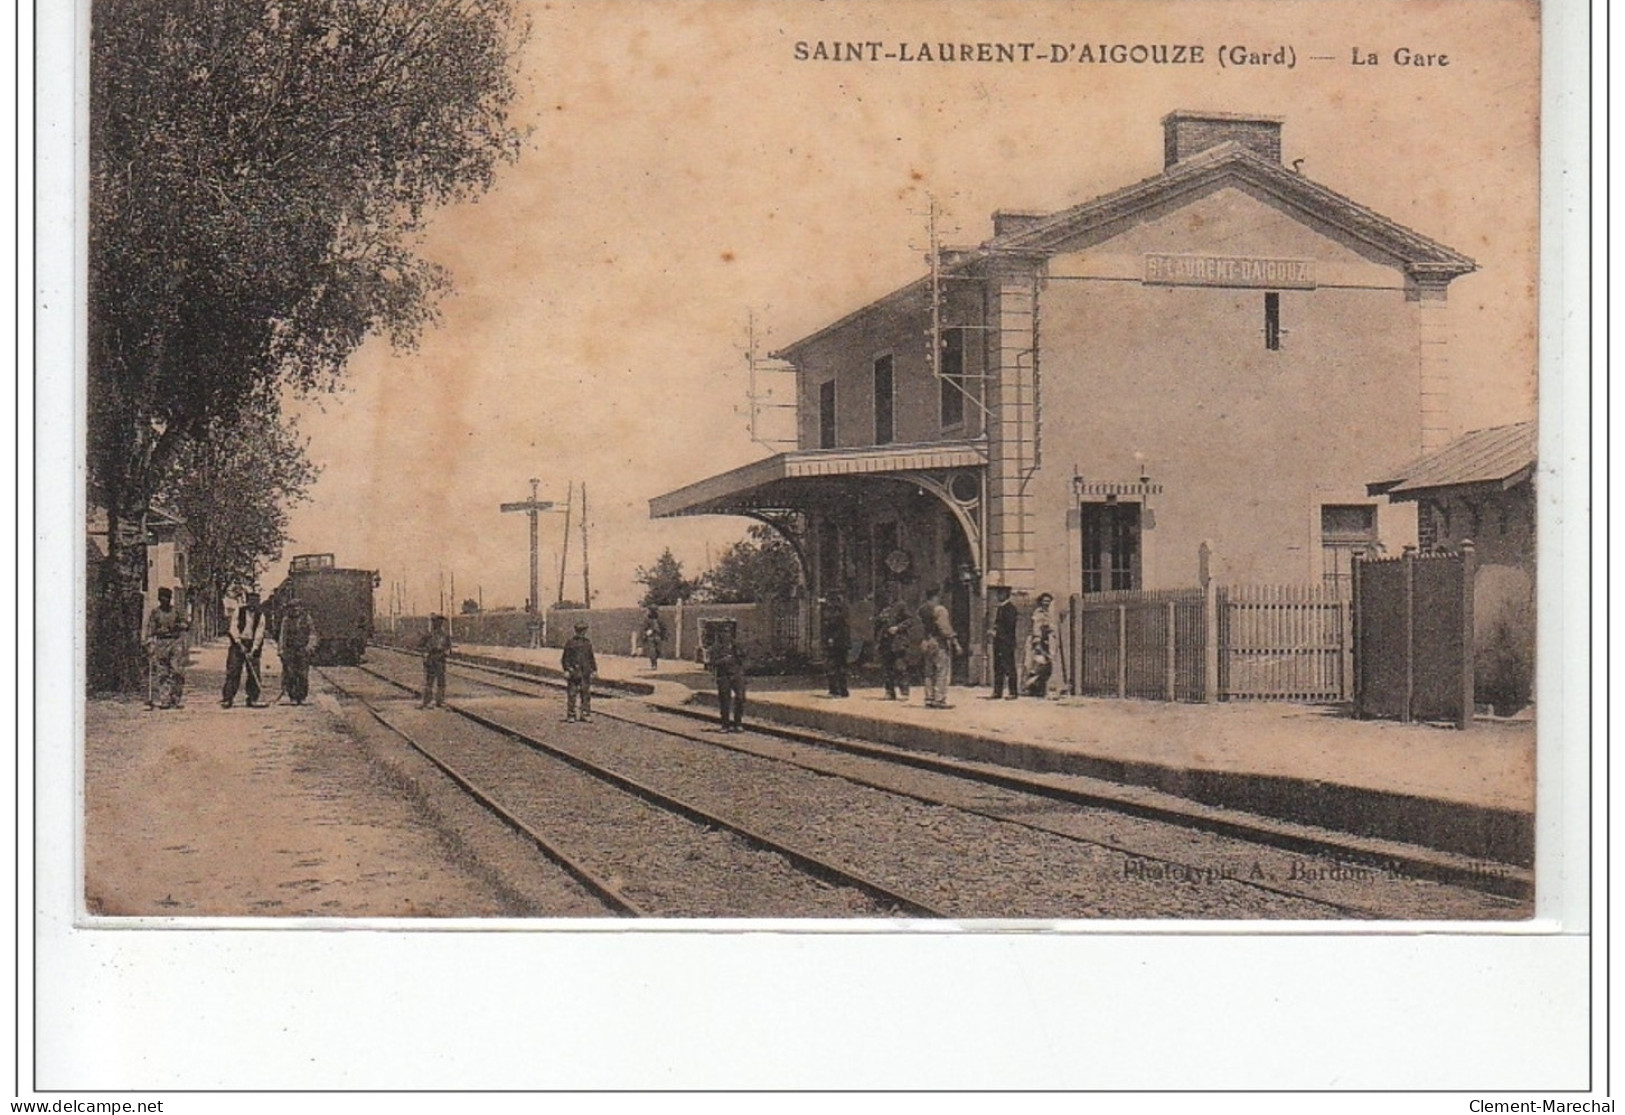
<point x="1187" y="133"/>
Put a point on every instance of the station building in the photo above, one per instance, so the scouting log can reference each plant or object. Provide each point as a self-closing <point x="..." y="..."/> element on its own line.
<point x="1225" y="351"/>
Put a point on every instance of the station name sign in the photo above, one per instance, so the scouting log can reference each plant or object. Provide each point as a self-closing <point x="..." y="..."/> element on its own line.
<point x="1242" y="271"/>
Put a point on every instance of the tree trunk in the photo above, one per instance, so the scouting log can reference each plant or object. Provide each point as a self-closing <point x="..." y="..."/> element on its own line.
<point x="115" y="658"/>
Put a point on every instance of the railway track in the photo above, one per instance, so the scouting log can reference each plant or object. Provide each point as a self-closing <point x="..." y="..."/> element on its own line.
<point x="1175" y="870"/>
<point x="641" y="851"/>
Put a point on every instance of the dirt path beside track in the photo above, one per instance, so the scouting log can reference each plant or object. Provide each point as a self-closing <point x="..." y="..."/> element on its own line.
<point x="250" y="812"/>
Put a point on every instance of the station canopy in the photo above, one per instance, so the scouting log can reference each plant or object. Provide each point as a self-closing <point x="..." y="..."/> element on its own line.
<point x="806" y="478"/>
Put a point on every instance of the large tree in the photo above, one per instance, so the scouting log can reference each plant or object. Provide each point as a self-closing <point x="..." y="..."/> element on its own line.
<point x="760" y="567"/>
<point x="234" y="485"/>
<point x="664" y="583"/>
<point x="259" y="172"/>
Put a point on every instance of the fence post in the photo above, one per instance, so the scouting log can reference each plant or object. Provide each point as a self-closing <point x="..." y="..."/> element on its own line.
<point x="1169" y="677"/>
<point x="1469" y="562"/>
<point x="1075" y="635"/>
<point x="1407" y="563"/>
<point x="1351" y="640"/>
<point x="1210" y="623"/>
<point x="1122" y="651"/>
<point x="1063" y="647"/>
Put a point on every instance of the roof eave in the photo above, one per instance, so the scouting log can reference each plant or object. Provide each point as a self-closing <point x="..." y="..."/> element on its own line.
<point x="1420" y="255"/>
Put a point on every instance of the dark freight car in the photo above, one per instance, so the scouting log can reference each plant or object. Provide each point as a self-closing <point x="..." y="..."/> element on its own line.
<point x="339" y="602"/>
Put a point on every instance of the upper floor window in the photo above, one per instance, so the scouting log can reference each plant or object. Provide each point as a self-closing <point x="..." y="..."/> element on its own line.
<point x="952" y="373"/>
<point x="826" y="414"/>
<point x="885" y="402"/>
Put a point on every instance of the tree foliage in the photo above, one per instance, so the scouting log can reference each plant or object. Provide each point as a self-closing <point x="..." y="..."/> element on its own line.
<point x="760" y="567"/>
<point x="259" y="173"/>
<point x="664" y="582"/>
<point x="234" y="484"/>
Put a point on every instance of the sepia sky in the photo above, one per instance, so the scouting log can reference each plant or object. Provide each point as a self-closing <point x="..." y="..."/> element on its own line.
<point x="685" y="169"/>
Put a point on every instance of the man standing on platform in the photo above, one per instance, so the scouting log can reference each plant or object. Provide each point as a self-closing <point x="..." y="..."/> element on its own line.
<point x="939" y="647"/>
<point x="892" y="645"/>
<point x="436" y="647"/>
<point x="1004" y="645"/>
<point x="579" y="666"/>
<point x="245" y="642"/>
<point x="653" y="636"/>
<point x="293" y="642"/>
<point x="837" y="643"/>
<point x="728" y="663"/>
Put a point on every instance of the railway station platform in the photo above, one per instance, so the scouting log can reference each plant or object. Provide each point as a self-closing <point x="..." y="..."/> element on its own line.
<point x="1470" y="793"/>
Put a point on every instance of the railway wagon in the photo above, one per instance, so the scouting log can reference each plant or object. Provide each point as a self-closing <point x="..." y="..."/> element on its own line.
<point x="339" y="602"/>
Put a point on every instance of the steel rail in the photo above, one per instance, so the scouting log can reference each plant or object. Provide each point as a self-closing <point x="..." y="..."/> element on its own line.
<point x="807" y="862"/>
<point x="1441" y="867"/>
<point x="600" y="888"/>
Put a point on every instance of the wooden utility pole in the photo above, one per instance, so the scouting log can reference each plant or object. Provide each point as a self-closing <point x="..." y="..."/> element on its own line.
<point x="532" y="507"/>
<point x="586" y="577"/>
<point x="564" y="557"/>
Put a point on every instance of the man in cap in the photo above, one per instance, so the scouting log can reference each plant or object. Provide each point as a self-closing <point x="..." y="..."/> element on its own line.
<point x="294" y="638"/>
<point x="245" y="642"/>
<point x="166" y="653"/>
<point x="436" y="647"/>
<point x="1005" y="618"/>
<point x="892" y="645"/>
<point x="727" y="662"/>
<point x="579" y="667"/>
<point x="837" y="630"/>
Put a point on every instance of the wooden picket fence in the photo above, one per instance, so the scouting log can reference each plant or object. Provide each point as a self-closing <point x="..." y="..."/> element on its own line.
<point x="1227" y="642"/>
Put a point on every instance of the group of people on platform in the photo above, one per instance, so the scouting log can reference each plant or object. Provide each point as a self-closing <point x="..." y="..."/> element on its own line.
<point x="903" y="637"/>
<point x="1040" y="663"/>
<point x="246" y="633"/>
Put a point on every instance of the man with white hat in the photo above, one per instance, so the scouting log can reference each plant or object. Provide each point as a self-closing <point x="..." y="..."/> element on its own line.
<point x="245" y="635"/>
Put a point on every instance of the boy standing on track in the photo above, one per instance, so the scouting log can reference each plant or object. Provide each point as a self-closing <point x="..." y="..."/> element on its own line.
<point x="728" y="663"/>
<point x="579" y="667"/>
<point x="436" y="647"/>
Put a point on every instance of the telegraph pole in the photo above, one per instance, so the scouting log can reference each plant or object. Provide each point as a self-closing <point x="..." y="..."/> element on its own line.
<point x="564" y="558"/>
<point x="586" y="577"/>
<point x="532" y="507"/>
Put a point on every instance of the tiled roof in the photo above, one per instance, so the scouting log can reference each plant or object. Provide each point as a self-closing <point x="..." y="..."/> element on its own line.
<point x="1417" y="252"/>
<point x="1499" y="455"/>
<point x="1418" y="255"/>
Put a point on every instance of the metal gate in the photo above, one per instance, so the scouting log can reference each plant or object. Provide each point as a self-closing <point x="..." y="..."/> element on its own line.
<point x="1413" y="636"/>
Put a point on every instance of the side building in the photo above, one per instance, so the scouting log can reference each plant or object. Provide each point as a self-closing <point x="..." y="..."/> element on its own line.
<point x="1224" y="352"/>
<point x="1480" y="488"/>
